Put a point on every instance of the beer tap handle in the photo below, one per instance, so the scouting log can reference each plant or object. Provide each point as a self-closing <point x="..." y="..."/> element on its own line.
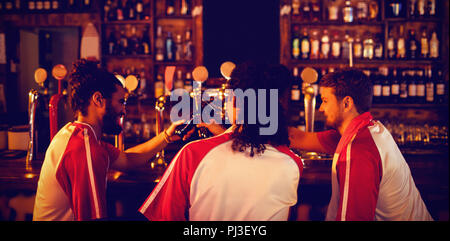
<point x="59" y="72"/>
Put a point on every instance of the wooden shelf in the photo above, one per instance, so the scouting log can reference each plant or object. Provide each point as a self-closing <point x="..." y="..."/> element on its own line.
<point x="130" y="56"/>
<point x="336" y="23"/>
<point x="145" y="21"/>
<point x="409" y="106"/>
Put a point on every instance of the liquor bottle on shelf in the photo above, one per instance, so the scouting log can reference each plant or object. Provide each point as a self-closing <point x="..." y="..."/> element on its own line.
<point x="295" y="88"/>
<point x="178" y="48"/>
<point x="111" y="43"/>
<point x="357" y="47"/>
<point x="145" y="43"/>
<point x="123" y="43"/>
<point x="421" y="8"/>
<point x="305" y="45"/>
<point x="120" y="11"/>
<point x="170" y="7"/>
<point x="378" y="47"/>
<point x="429" y="87"/>
<point x="336" y="46"/>
<point x="403" y="98"/>
<point x="401" y="46"/>
<point x="40" y="5"/>
<point x="432" y="8"/>
<point x="86" y="4"/>
<point x="188" y="47"/>
<point x="47" y="5"/>
<point x="185" y="7"/>
<point x="385" y="86"/>
<point x="347" y="12"/>
<point x="179" y="82"/>
<point x="106" y="8"/>
<point x="420" y="95"/>
<point x="345" y="53"/>
<point x="142" y="91"/>
<point x="424" y="44"/>
<point x="306" y="10"/>
<point x="368" y="44"/>
<point x="434" y="46"/>
<point x="362" y="10"/>
<point x="295" y="43"/>
<point x="159" y="86"/>
<point x="159" y="44"/>
<point x="139" y="9"/>
<point x="315" y="45"/>
<point x="413" y="45"/>
<point x="316" y="13"/>
<point x="133" y="42"/>
<point x="31" y="5"/>
<point x="130" y="13"/>
<point x="395" y="87"/>
<point x="412" y="10"/>
<point x="377" y="87"/>
<point x="373" y="10"/>
<point x="391" y="45"/>
<point x="188" y="82"/>
<point x="325" y="45"/>
<point x="72" y="5"/>
<point x="412" y="87"/>
<point x="333" y="11"/>
<point x="295" y="7"/>
<point x="170" y="47"/>
<point x="395" y="9"/>
<point x="440" y="88"/>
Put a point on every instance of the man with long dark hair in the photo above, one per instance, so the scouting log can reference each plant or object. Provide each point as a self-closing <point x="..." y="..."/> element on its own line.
<point x="72" y="183"/>
<point x="244" y="173"/>
<point x="370" y="178"/>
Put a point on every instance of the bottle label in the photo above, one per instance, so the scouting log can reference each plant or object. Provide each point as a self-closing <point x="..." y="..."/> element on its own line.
<point x="377" y="90"/>
<point x="386" y="90"/>
<point x="325" y="49"/>
<point x="336" y="49"/>
<point x="421" y="90"/>
<point x="357" y="50"/>
<point x="305" y="46"/>
<point x="430" y="92"/>
<point x="46" y="5"/>
<point x="395" y="89"/>
<point x="31" y="5"/>
<point x="295" y="94"/>
<point x="333" y="13"/>
<point x="440" y="89"/>
<point x="295" y="48"/>
<point x="390" y="44"/>
<point x="412" y="90"/>
<point x="55" y="4"/>
<point x="315" y="48"/>
<point x="424" y="46"/>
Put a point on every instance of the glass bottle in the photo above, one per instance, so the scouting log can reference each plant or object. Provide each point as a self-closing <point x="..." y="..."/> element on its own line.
<point x="395" y="87"/>
<point x="347" y="12"/>
<point x="315" y="45"/>
<point x="145" y="45"/>
<point x="188" y="82"/>
<point x="362" y="10"/>
<point x="429" y="85"/>
<point x="315" y="8"/>
<point x="434" y="45"/>
<point x="386" y="86"/>
<point x="424" y="44"/>
<point x="391" y="45"/>
<point x="185" y="7"/>
<point x="395" y="9"/>
<point x="412" y="87"/>
<point x="159" y="86"/>
<point x="170" y="7"/>
<point x="401" y="46"/>
<point x="421" y="8"/>
<point x="413" y="45"/>
<point x="420" y="85"/>
<point x="377" y="88"/>
<point x="403" y="98"/>
<point x="306" y="10"/>
<point x="336" y="46"/>
<point x="432" y="8"/>
<point x="295" y="43"/>
<point x="305" y="45"/>
<point x="378" y="48"/>
<point x="412" y="9"/>
<point x="325" y="45"/>
<point x="188" y="46"/>
<point x="345" y="53"/>
<point x="295" y="7"/>
<point x="159" y="44"/>
<point x="373" y="10"/>
<point x="178" y="48"/>
<point x="368" y="45"/>
<point x="139" y="9"/>
<point x="440" y="88"/>
<point x="357" y="47"/>
<point x="170" y="47"/>
<point x="295" y="89"/>
<point x="333" y="11"/>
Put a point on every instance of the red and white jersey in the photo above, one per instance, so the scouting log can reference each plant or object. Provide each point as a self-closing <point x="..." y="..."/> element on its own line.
<point x="72" y="183"/>
<point x="370" y="177"/>
<point x="207" y="180"/>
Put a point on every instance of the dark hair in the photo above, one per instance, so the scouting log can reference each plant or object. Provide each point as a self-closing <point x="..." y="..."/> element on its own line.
<point x="351" y="82"/>
<point x="87" y="78"/>
<point x="251" y="75"/>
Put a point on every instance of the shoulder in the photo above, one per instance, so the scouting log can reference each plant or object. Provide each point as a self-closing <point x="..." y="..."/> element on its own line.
<point x="205" y="145"/>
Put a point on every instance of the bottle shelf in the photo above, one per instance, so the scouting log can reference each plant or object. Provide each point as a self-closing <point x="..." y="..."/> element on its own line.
<point x="365" y="62"/>
<point x="174" y="63"/>
<point x="118" y="22"/>
<point x="336" y="23"/>
<point x="130" y="56"/>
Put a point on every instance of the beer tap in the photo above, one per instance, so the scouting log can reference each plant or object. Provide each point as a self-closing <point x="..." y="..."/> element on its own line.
<point x="59" y="72"/>
<point x="159" y="164"/>
<point x="309" y="77"/>
<point x="40" y="75"/>
<point x="225" y="69"/>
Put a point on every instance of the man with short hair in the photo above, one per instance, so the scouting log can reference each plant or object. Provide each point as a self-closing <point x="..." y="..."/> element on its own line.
<point x="72" y="183"/>
<point x="370" y="178"/>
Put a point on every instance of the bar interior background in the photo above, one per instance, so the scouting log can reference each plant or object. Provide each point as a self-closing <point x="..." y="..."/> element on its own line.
<point x="402" y="44"/>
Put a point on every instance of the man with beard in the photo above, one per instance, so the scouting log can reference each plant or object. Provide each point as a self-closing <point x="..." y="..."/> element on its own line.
<point x="370" y="178"/>
<point x="72" y="183"/>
